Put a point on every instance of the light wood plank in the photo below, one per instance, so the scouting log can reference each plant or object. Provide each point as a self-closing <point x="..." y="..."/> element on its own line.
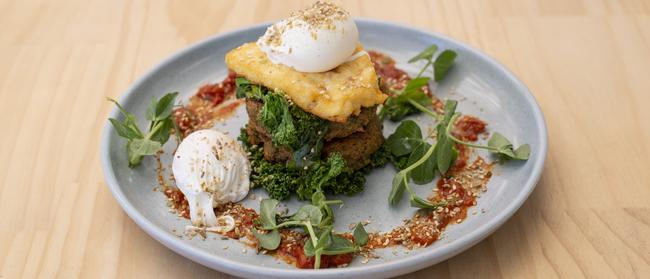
<point x="586" y="62"/>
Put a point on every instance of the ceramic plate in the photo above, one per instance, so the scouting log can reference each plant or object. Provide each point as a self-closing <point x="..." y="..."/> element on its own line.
<point x="484" y="88"/>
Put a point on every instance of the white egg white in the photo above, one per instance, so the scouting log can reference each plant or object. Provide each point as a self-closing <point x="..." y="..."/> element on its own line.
<point x="210" y="168"/>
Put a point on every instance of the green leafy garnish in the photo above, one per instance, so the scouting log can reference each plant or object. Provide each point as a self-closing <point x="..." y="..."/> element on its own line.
<point x="360" y="235"/>
<point x="246" y="89"/>
<point x="276" y="118"/>
<point x="407" y="147"/>
<point x="281" y="180"/>
<point x="316" y="219"/>
<point x="401" y="103"/>
<point x="419" y="161"/>
<point x="161" y="124"/>
<point x="267" y="212"/>
<point x="289" y="126"/>
<point x="418" y="202"/>
<point x="426" y="54"/>
<point x="445" y="151"/>
<point x="443" y="63"/>
<point x="502" y="146"/>
<point x="401" y="183"/>
<point x="423" y="173"/>
<point x="398" y="105"/>
<point x="321" y="174"/>
<point x="269" y="240"/>
<point x="308" y="213"/>
<point x="405" y="138"/>
<point x="497" y="144"/>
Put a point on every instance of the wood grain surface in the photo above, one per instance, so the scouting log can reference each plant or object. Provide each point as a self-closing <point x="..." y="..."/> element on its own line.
<point x="587" y="62"/>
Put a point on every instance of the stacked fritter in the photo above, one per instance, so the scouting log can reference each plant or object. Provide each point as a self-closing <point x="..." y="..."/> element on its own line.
<point x="356" y="140"/>
<point x="345" y="97"/>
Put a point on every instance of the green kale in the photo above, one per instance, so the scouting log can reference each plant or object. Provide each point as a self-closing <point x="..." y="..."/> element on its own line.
<point x="349" y="182"/>
<point x="320" y="174"/>
<point x="277" y="119"/>
<point x="312" y="130"/>
<point x="245" y="89"/>
<point x="277" y="179"/>
<point x="380" y="158"/>
<point x="290" y="127"/>
<point x="280" y="180"/>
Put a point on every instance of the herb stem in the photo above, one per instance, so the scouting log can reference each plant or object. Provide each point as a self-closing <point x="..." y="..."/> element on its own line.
<point x="339" y="252"/>
<point x="317" y="255"/>
<point x="407" y="186"/>
<point x="155" y="129"/>
<point x="413" y="166"/>
<point x="124" y="112"/>
<point x="312" y="234"/>
<point x="424" y="68"/>
<point x="452" y="137"/>
<point x="420" y="107"/>
<point x="333" y="202"/>
<point x="285" y="224"/>
<point x="419" y="161"/>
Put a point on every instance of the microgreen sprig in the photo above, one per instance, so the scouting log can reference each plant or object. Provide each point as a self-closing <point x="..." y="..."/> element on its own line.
<point x="317" y="220"/>
<point x="139" y="144"/>
<point x="401" y="103"/>
<point x="420" y="166"/>
<point x="419" y="160"/>
<point x="497" y="144"/>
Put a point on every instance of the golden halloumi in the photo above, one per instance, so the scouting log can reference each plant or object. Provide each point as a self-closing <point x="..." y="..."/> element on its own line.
<point x="333" y="95"/>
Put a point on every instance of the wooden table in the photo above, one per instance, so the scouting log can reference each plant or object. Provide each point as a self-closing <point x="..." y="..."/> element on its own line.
<point x="587" y="62"/>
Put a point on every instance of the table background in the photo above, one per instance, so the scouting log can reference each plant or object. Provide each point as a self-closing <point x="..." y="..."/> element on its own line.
<point x="587" y="62"/>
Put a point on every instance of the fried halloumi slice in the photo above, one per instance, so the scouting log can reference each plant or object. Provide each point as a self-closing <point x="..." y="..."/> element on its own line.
<point x="333" y="95"/>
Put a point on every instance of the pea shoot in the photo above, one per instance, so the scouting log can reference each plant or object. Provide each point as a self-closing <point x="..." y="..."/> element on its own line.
<point x="139" y="144"/>
<point x="403" y="102"/>
<point x="317" y="220"/>
<point x="417" y="159"/>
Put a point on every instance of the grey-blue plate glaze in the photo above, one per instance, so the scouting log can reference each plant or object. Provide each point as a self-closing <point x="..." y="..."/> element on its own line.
<point x="483" y="87"/>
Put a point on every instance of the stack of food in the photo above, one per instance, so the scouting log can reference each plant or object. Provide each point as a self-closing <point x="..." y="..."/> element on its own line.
<point x="311" y="90"/>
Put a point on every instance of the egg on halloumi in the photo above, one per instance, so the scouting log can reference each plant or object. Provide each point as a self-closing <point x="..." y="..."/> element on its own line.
<point x="334" y="95"/>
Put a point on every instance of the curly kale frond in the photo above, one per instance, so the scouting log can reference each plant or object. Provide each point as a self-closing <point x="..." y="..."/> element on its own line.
<point x="289" y="126"/>
<point x="281" y="180"/>
<point x="277" y="179"/>
<point x="320" y="173"/>
<point x="277" y="119"/>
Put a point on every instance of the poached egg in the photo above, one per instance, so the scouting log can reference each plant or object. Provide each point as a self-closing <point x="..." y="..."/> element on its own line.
<point x="316" y="39"/>
<point x="210" y="168"/>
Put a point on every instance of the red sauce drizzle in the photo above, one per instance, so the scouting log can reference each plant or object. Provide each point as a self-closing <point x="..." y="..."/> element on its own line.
<point x="468" y="128"/>
<point x="297" y="253"/>
<point x="216" y="93"/>
<point x="206" y="106"/>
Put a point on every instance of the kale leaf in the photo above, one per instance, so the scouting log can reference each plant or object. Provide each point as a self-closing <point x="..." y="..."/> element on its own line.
<point x="280" y="180"/>
<point x="289" y="126"/>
